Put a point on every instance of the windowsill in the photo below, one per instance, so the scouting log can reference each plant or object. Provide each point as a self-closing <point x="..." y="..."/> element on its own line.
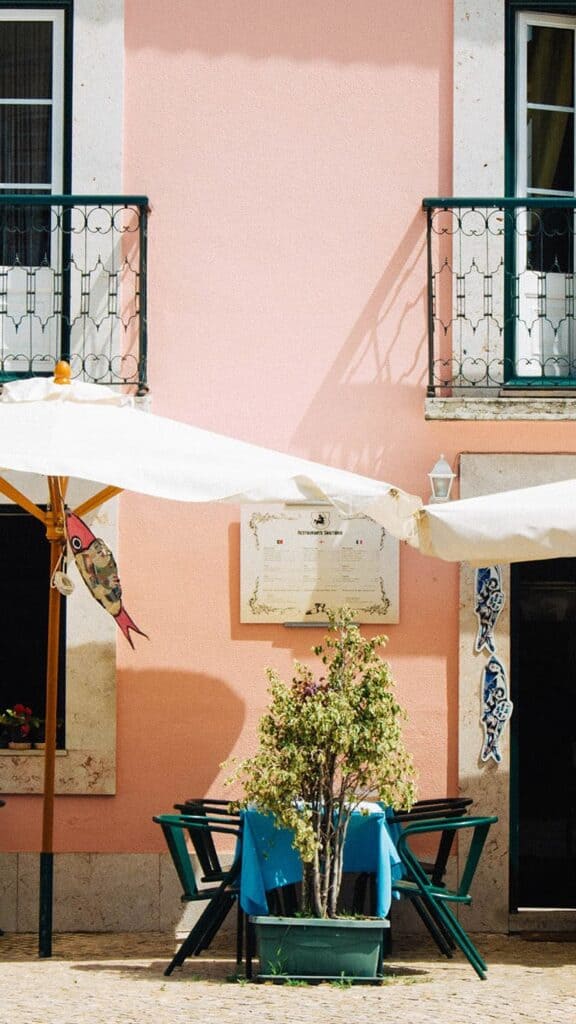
<point x="6" y="752"/>
<point x="532" y="407"/>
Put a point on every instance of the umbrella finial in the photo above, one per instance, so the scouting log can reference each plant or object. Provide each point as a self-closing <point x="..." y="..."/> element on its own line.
<point x="62" y="372"/>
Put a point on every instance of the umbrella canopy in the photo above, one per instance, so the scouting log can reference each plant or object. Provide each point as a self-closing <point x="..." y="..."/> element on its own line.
<point x="85" y="431"/>
<point x="523" y="525"/>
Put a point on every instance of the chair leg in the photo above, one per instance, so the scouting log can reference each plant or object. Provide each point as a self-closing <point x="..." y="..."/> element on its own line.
<point x="221" y="907"/>
<point x="239" y="934"/>
<point x="359" y="894"/>
<point x="441" y="937"/>
<point x="440" y="911"/>
<point x="250" y="946"/>
<point x="203" y="931"/>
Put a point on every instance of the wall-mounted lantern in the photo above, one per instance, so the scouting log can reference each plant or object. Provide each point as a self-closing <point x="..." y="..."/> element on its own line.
<point x="441" y="480"/>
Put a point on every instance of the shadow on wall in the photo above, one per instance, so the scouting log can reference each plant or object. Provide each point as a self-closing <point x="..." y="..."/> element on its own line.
<point x="190" y="722"/>
<point x="383" y="360"/>
<point x="343" y="31"/>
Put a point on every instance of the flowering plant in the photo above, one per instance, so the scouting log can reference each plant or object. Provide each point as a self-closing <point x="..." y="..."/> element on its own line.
<point x="327" y="743"/>
<point x="19" y="720"/>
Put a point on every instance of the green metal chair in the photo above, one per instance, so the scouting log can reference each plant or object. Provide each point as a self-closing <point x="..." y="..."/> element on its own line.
<point x="432" y="900"/>
<point x="221" y="897"/>
<point x="202" y="841"/>
<point x="422" y="810"/>
<point x="282" y="901"/>
<point x="439" y="807"/>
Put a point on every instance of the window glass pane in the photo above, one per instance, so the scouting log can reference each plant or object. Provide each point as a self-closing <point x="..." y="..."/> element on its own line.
<point x="25" y="144"/>
<point x="550" y="144"/>
<point x="26" y="60"/>
<point x="25" y="233"/>
<point x="550" y="241"/>
<point x="550" y="66"/>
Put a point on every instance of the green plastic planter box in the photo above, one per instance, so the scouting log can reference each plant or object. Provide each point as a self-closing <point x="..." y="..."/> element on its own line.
<point x="314" y="948"/>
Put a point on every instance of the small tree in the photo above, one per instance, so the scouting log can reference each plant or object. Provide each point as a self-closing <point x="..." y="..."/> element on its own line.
<point x="326" y="745"/>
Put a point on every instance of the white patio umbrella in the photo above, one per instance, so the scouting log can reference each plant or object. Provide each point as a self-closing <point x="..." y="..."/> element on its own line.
<point x="64" y="430"/>
<point x="523" y="525"/>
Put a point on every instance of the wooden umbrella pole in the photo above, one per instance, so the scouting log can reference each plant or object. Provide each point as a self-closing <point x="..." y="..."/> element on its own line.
<point x="55" y="535"/>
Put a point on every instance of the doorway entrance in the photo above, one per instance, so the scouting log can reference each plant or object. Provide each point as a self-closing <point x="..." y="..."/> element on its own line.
<point x="543" y="753"/>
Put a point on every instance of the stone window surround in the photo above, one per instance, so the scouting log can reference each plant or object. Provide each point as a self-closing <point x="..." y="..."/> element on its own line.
<point x="487" y="783"/>
<point x="478" y="170"/>
<point x="88" y="765"/>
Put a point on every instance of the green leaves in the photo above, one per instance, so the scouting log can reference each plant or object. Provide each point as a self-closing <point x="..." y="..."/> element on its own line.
<point x="330" y="741"/>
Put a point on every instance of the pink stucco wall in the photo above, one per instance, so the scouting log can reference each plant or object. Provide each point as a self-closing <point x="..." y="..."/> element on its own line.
<point x="286" y="146"/>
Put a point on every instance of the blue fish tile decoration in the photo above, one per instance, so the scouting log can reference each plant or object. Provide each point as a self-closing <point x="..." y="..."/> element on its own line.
<point x="496" y="708"/>
<point x="489" y="603"/>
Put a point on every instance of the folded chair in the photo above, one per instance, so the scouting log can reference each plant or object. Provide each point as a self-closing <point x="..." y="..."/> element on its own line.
<point x="438" y="807"/>
<point x="433" y="901"/>
<point x="282" y="901"/>
<point x="221" y="897"/>
<point x="202" y="841"/>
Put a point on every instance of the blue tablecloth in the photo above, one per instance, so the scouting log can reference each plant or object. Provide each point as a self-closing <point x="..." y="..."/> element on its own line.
<point x="269" y="859"/>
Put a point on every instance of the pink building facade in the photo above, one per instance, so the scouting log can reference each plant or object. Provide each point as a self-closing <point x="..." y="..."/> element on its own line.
<point x="286" y="148"/>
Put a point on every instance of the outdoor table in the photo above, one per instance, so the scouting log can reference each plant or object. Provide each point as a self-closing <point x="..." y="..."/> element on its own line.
<point x="270" y="861"/>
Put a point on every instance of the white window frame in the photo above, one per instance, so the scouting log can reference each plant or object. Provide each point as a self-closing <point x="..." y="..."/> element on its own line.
<point x="56" y="17"/>
<point x="524" y="20"/>
<point x="532" y="349"/>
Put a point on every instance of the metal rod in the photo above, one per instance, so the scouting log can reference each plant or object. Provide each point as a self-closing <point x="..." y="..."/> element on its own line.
<point x="506" y="202"/>
<point x="430" y="304"/>
<point x="55" y="537"/>
<point x="46" y="890"/>
<point x="143" y="303"/>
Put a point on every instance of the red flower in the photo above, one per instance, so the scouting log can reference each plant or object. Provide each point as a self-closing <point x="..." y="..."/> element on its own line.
<point x="19" y="709"/>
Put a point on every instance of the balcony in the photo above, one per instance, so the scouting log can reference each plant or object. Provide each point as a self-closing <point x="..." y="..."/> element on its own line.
<point x="501" y="316"/>
<point x="73" y="286"/>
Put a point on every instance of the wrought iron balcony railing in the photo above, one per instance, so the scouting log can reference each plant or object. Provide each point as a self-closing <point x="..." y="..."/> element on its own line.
<point x="73" y="286"/>
<point x="501" y="313"/>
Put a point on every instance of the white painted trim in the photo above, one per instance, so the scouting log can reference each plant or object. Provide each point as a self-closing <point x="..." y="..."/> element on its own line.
<point x="98" y="96"/>
<point x="57" y="102"/>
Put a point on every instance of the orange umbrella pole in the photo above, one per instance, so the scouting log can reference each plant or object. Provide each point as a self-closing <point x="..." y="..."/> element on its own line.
<point x="55" y="536"/>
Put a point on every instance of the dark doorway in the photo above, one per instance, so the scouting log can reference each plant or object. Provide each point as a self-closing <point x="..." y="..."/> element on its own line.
<point x="24" y="583"/>
<point x="543" y="676"/>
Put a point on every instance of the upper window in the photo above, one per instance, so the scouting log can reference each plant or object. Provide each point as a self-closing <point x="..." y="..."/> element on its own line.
<point x="31" y="127"/>
<point x="544" y="329"/>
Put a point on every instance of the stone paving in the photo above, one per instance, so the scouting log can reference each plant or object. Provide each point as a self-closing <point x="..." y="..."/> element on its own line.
<point x="118" y="979"/>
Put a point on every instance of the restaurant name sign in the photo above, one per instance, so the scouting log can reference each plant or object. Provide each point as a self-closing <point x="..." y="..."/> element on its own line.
<point x="297" y="561"/>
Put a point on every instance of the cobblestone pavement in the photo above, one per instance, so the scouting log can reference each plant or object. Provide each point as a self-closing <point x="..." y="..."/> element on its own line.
<point x="118" y="979"/>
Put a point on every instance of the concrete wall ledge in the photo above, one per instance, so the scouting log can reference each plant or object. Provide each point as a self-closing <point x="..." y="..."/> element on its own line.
<point x="533" y="408"/>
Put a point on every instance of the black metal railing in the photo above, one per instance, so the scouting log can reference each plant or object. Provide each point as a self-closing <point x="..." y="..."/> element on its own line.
<point x="73" y="286"/>
<point x="501" y="313"/>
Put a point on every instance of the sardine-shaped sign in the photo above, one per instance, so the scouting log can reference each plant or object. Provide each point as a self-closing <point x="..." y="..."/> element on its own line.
<point x="97" y="567"/>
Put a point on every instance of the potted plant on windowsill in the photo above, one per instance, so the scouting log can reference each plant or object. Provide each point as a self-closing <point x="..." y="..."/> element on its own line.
<point x="17" y="724"/>
<point x="327" y="744"/>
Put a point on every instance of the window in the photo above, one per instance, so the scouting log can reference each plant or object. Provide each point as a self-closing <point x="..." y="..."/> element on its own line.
<point x="24" y="587"/>
<point x="544" y="327"/>
<point x="32" y="162"/>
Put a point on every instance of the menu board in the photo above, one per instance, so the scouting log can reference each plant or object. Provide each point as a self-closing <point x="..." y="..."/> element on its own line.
<point x="297" y="561"/>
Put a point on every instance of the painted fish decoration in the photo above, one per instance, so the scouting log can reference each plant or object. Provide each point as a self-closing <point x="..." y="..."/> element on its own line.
<point x="97" y="567"/>
<point x="489" y="603"/>
<point x="496" y="708"/>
